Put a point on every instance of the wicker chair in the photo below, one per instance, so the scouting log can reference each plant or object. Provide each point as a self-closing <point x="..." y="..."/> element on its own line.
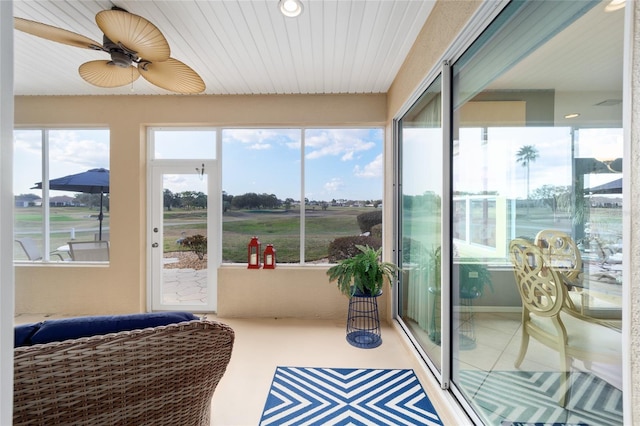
<point x="164" y="375"/>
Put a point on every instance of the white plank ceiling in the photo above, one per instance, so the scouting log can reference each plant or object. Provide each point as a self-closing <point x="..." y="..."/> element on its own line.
<point x="237" y="46"/>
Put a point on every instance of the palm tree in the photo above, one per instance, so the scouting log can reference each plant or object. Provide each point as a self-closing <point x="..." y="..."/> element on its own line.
<point x="526" y="155"/>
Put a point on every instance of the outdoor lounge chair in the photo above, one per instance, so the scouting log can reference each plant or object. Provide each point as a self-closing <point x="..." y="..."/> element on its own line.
<point x="610" y="262"/>
<point x="32" y="250"/>
<point x="105" y="236"/>
<point x="89" y="251"/>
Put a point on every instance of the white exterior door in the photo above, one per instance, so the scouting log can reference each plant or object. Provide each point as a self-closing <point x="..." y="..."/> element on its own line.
<point x="182" y="233"/>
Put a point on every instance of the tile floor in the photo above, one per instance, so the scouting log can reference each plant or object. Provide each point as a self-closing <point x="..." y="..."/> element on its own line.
<point x="263" y="344"/>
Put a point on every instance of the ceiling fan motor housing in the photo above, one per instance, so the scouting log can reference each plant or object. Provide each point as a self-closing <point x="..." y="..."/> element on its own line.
<point x="121" y="59"/>
<point x="119" y="56"/>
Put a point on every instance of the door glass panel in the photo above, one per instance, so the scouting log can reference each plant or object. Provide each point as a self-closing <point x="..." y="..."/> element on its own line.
<point x="421" y="201"/>
<point x="537" y="216"/>
<point x="184" y="144"/>
<point x="184" y="240"/>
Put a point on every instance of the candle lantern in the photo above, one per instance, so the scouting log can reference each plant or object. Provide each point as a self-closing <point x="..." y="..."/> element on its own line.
<point x="269" y="257"/>
<point x="253" y="254"/>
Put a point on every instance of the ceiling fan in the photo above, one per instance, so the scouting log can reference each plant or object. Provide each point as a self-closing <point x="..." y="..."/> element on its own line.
<point x="137" y="47"/>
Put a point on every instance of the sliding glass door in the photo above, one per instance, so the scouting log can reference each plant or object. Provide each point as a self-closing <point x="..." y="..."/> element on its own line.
<point x="421" y="221"/>
<point x="534" y="213"/>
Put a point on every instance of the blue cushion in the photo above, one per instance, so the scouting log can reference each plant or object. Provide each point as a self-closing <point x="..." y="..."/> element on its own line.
<point x="74" y="328"/>
<point x="23" y="333"/>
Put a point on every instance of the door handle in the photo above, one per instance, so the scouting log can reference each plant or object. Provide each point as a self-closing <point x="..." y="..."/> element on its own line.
<point x="154" y="245"/>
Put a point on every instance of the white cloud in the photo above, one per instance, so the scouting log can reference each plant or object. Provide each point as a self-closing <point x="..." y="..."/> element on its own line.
<point x="347" y="156"/>
<point x="343" y="143"/>
<point x="334" y="185"/>
<point x="260" y="146"/>
<point x="259" y="139"/>
<point x="371" y="170"/>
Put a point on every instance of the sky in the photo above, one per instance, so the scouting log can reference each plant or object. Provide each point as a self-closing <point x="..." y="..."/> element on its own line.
<point x="493" y="167"/>
<point x="70" y="151"/>
<point x="338" y="163"/>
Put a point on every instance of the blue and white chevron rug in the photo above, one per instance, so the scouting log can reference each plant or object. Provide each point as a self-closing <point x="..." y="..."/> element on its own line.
<point x="511" y="398"/>
<point x="347" y="396"/>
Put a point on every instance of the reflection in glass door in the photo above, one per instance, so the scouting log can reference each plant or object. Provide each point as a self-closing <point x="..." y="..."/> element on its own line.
<point x="421" y="216"/>
<point x="181" y="238"/>
<point x="537" y="226"/>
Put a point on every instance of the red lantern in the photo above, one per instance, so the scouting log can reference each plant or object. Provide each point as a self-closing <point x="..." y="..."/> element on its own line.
<point x="253" y="254"/>
<point x="269" y="257"/>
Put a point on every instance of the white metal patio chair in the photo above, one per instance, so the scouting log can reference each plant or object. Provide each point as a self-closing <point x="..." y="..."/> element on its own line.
<point x="32" y="250"/>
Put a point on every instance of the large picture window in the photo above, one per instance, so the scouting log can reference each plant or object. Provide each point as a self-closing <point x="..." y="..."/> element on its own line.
<point x="299" y="190"/>
<point x="52" y="210"/>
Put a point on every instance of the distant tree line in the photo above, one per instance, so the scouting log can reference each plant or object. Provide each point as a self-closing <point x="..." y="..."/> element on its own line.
<point x="251" y="200"/>
<point x="188" y="200"/>
<point x="93" y="200"/>
<point x="248" y="201"/>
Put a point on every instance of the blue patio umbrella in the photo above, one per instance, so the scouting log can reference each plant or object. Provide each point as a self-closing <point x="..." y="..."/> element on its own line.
<point x="94" y="181"/>
<point x="613" y="187"/>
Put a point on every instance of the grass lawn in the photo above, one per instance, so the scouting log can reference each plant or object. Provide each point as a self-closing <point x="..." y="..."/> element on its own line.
<point x="82" y="222"/>
<point x="280" y="227"/>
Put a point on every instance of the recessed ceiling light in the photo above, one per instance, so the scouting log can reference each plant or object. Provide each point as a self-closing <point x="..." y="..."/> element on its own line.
<point x="572" y="115"/>
<point x="614" y="5"/>
<point x="290" y="8"/>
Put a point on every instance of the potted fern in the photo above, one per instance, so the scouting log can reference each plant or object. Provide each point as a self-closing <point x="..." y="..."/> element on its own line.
<point x="362" y="274"/>
<point x="474" y="277"/>
<point x="361" y="278"/>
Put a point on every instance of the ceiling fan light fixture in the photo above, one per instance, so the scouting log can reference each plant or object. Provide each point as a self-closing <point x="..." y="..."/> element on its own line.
<point x="290" y="8"/>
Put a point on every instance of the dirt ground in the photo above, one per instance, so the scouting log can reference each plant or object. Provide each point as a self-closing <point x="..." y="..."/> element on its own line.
<point x="186" y="259"/>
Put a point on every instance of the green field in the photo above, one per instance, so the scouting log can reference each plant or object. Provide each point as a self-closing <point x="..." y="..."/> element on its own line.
<point x="278" y="227"/>
<point x="83" y="222"/>
<point x="282" y="227"/>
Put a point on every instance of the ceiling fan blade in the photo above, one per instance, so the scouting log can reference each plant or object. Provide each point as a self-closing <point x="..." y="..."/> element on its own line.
<point x="172" y="75"/>
<point x="106" y="74"/>
<point x="55" y="34"/>
<point x="135" y="33"/>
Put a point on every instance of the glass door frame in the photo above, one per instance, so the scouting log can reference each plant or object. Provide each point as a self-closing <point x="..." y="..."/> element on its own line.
<point x="483" y="17"/>
<point x="157" y="169"/>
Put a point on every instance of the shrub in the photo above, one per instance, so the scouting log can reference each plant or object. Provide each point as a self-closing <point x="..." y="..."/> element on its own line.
<point x="196" y="243"/>
<point x="413" y="251"/>
<point x="376" y="231"/>
<point x="345" y="247"/>
<point x="367" y="220"/>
